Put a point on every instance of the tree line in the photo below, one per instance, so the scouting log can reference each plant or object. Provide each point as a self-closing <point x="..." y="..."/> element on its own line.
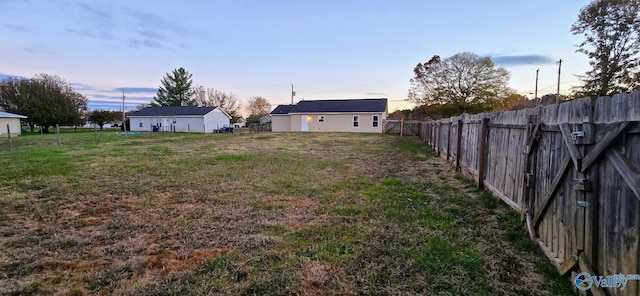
<point x="469" y="83"/>
<point x="45" y="99"/>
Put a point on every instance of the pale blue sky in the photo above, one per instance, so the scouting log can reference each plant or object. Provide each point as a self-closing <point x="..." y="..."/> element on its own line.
<point x="327" y="49"/>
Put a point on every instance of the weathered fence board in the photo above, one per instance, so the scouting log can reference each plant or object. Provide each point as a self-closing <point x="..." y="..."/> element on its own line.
<point x="572" y="169"/>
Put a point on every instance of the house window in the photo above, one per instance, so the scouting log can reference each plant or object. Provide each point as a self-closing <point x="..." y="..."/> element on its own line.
<point x="355" y="121"/>
<point x="174" y="121"/>
<point x="321" y="118"/>
<point x="140" y="124"/>
<point x="375" y="120"/>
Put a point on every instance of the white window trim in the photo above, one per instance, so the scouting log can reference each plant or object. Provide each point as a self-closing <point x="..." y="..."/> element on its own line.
<point x="356" y="119"/>
<point x="375" y="120"/>
<point x="324" y="119"/>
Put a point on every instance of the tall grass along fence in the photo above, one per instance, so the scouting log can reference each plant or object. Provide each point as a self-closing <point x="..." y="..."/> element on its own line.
<point x="572" y="170"/>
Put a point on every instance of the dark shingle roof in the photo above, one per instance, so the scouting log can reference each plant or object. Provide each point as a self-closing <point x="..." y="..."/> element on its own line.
<point x="173" y="111"/>
<point x="282" y="109"/>
<point x="334" y="106"/>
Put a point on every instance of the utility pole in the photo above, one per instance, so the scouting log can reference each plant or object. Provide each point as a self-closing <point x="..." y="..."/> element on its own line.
<point x="558" y="93"/>
<point x="293" y="93"/>
<point x="124" y="122"/>
<point x="535" y="96"/>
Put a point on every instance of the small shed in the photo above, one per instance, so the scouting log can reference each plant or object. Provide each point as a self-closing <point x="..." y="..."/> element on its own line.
<point x="11" y="120"/>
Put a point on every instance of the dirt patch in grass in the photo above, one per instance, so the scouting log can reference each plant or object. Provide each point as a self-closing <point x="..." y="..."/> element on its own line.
<point x="257" y="214"/>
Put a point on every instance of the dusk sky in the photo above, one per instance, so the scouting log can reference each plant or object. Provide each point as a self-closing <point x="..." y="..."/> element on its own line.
<point x="327" y="49"/>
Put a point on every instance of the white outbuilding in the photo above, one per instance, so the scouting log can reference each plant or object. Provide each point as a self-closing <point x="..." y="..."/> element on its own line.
<point x="179" y="119"/>
<point x="11" y="120"/>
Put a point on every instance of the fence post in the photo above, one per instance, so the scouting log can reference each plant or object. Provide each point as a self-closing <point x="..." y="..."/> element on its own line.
<point x="189" y="128"/>
<point x="432" y="134"/>
<point x="58" y="134"/>
<point x="449" y="141"/>
<point x="9" y="135"/>
<point x="482" y="152"/>
<point x="438" y="139"/>
<point x="401" y="126"/>
<point x="459" y="143"/>
<point x="95" y="133"/>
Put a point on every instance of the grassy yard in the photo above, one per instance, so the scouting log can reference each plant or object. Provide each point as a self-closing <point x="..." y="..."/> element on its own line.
<point x="254" y="214"/>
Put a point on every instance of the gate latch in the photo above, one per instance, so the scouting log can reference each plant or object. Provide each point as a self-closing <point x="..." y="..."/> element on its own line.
<point x="577" y="134"/>
<point x="582" y="203"/>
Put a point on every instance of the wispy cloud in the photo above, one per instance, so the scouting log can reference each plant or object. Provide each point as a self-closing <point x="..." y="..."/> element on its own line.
<point x="108" y="97"/>
<point x="138" y="43"/>
<point x="376" y="94"/>
<point x="137" y="89"/>
<point x="7" y="76"/>
<point x="101" y="14"/>
<point x="133" y="27"/>
<point x="39" y="49"/>
<point x="16" y="28"/>
<point x="97" y="23"/>
<point x="111" y="97"/>
<point x="155" y="31"/>
<point x="522" y="60"/>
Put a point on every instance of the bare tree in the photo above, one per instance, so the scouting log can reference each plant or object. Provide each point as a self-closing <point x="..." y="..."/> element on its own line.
<point x="258" y="106"/>
<point x="210" y="97"/>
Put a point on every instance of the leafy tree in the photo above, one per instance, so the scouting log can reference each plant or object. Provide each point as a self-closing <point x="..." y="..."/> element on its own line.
<point x="258" y="107"/>
<point x="252" y="119"/>
<point x="611" y="29"/>
<point x="513" y="101"/>
<point x="175" y="89"/>
<point x="464" y="82"/>
<point x="209" y="97"/>
<point x="45" y="99"/>
<point x="100" y="117"/>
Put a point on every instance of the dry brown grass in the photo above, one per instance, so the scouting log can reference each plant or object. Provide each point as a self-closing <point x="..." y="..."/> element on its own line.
<point x="225" y="215"/>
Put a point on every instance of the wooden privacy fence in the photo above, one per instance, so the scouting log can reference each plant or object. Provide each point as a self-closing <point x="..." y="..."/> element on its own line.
<point x="572" y="170"/>
<point x="402" y="127"/>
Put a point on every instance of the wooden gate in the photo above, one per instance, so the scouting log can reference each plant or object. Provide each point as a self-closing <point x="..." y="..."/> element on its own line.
<point x="578" y="171"/>
<point x="572" y="170"/>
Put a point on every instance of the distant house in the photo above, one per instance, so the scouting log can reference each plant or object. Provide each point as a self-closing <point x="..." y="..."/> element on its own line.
<point x="357" y="115"/>
<point x="179" y="119"/>
<point x="13" y="120"/>
<point x="90" y="124"/>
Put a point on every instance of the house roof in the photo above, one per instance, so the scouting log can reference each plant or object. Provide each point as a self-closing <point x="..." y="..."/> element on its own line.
<point x="10" y="115"/>
<point x="173" y="111"/>
<point x="282" y="109"/>
<point x="333" y="106"/>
